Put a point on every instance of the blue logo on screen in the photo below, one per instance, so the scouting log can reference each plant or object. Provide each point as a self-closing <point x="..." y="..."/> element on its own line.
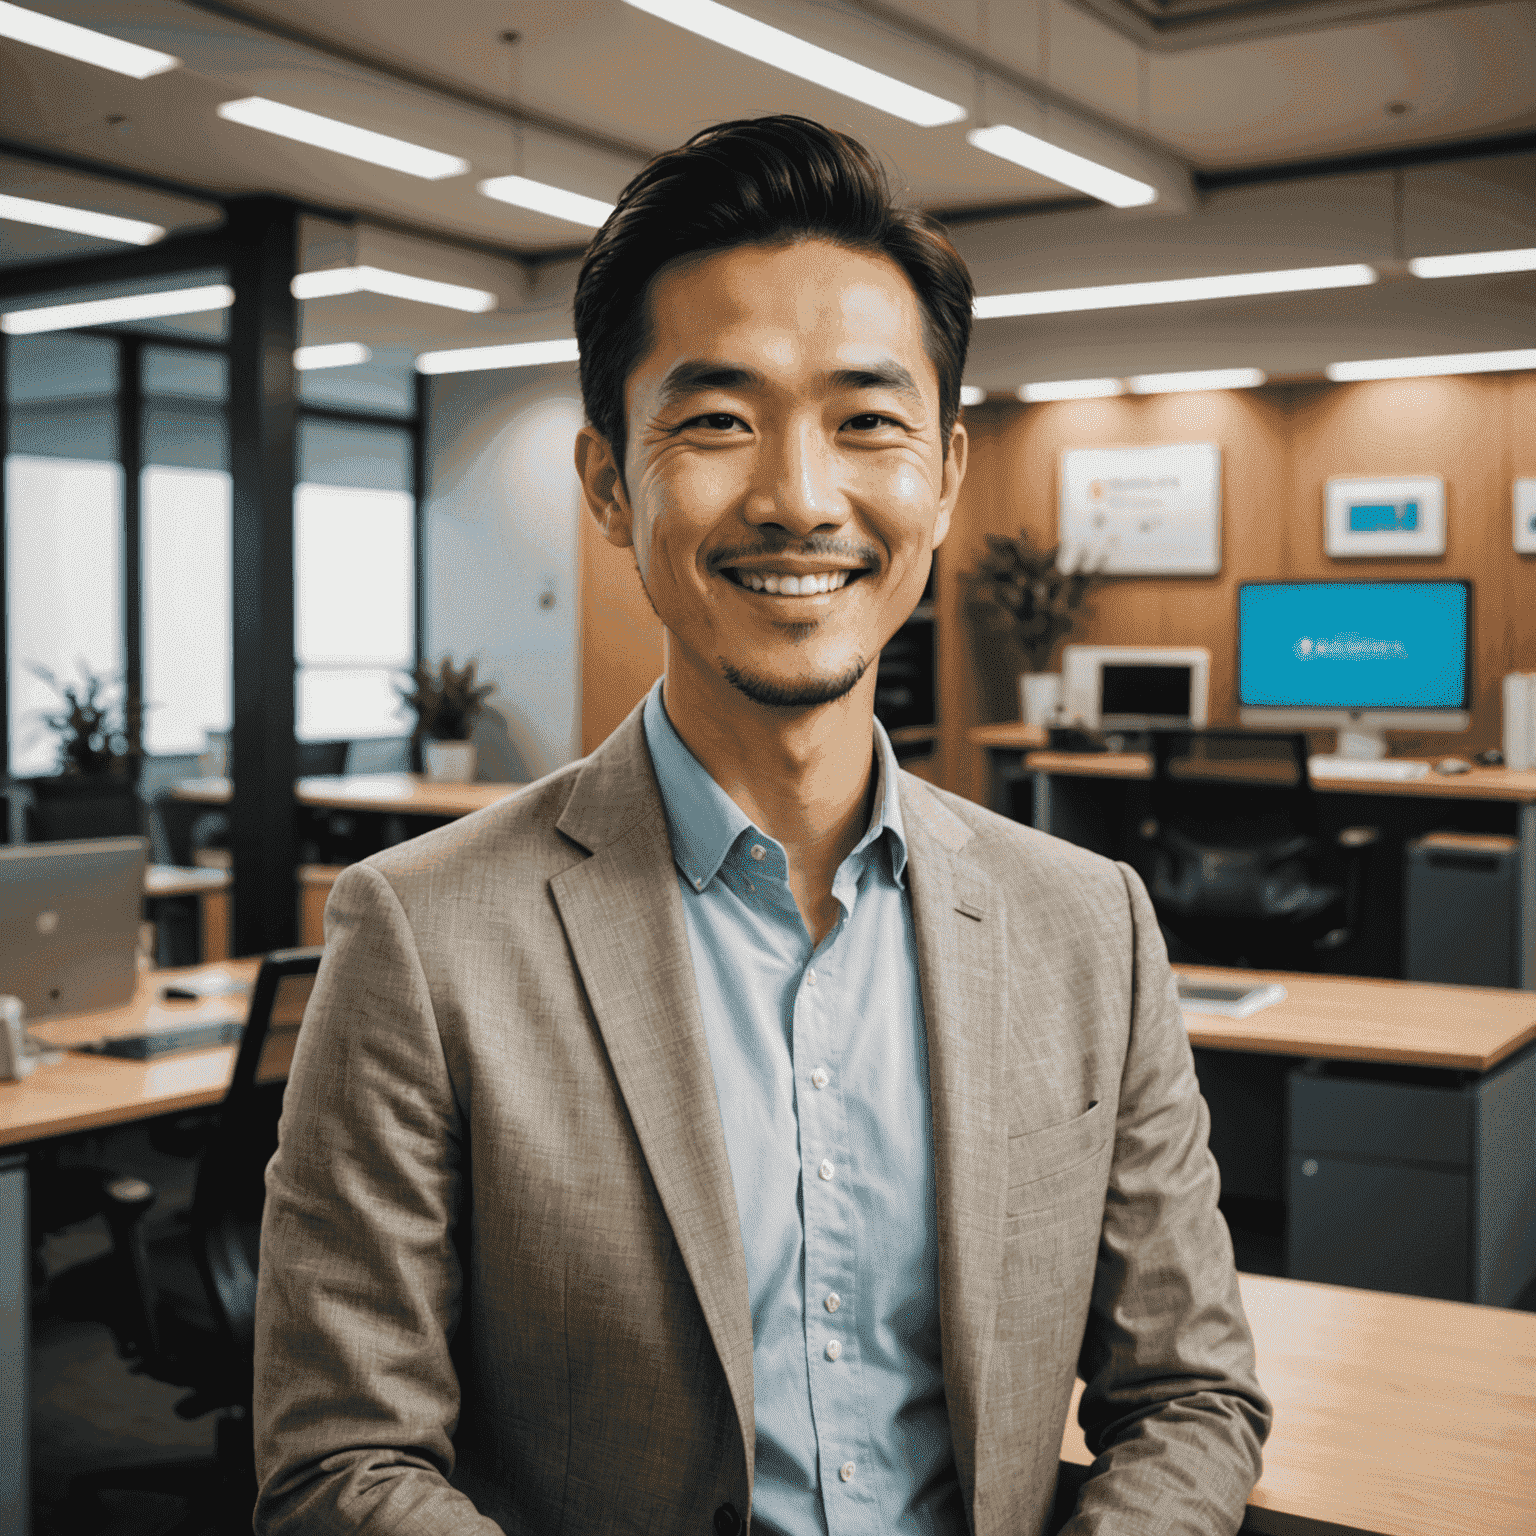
<point x="1384" y="517"/>
<point x="1353" y="645"/>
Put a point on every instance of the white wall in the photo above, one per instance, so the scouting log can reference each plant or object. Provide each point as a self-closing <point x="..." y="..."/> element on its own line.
<point x="501" y="523"/>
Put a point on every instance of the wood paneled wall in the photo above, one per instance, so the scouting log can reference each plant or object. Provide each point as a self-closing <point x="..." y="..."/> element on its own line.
<point x="620" y="636"/>
<point x="1280" y="445"/>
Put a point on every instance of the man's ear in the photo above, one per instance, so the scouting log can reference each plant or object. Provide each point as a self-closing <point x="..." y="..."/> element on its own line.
<point x="954" y="476"/>
<point x="602" y="488"/>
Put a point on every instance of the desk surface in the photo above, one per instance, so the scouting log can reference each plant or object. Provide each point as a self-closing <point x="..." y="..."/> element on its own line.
<point x="179" y="880"/>
<point x="1393" y="1414"/>
<point x="82" y="1093"/>
<point x="1353" y="1018"/>
<point x="406" y="794"/>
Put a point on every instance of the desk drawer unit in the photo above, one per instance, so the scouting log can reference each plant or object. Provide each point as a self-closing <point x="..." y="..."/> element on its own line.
<point x="1415" y="1187"/>
<point x="1461" y="910"/>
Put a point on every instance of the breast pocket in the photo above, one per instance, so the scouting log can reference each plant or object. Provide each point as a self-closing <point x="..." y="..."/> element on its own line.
<point x="1040" y="1161"/>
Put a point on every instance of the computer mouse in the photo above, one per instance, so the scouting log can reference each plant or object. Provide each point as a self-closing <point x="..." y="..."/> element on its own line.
<point x="1492" y="758"/>
<point x="1453" y="765"/>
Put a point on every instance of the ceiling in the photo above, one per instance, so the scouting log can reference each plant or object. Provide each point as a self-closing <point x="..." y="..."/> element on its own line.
<point x="592" y="87"/>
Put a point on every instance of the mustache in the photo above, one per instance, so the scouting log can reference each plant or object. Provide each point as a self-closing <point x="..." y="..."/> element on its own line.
<point x="823" y="546"/>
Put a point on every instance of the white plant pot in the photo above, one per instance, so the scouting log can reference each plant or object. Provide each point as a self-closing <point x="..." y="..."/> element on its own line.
<point x="1039" y="697"/>
<point x="449" y="762"/>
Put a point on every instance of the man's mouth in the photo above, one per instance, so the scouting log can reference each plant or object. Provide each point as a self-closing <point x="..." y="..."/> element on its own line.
<point x="791" y="583"/>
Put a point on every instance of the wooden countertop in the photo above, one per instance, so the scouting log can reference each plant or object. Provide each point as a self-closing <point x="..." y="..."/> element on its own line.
<point x="406" y="794"/>
<point x="178" y="880"/>
<point x="1393" y="1414"/>
<point x="82" y="1093"/>
<point x="1353" y="1018"/>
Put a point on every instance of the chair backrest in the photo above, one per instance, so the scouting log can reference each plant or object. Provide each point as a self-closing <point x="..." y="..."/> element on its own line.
<point x="69" y="808"/>
<point x="1232" y="787"/>
<point x="314" y="759"/>
<point x="227" y="1203"/>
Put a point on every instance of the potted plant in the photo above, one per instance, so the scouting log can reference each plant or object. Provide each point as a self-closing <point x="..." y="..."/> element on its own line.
<point x="101" y="750"/>
<point x="446" y="703"/>
<point x="1023" y="593"/>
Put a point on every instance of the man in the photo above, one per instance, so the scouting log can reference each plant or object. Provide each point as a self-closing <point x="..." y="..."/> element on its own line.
<point x="730" y="1129"/>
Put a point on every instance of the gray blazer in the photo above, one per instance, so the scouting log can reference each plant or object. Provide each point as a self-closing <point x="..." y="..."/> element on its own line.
<point x="502" y="1282"/>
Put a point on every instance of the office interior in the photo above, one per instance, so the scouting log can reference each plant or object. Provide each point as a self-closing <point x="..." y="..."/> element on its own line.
<point x="343" y="447"/>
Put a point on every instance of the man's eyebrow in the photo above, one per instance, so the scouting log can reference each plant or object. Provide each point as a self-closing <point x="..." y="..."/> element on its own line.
<point x="888" y="374"/>
<point x="688" y="378"/>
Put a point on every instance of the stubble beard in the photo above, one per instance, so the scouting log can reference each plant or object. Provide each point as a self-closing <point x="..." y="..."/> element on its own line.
<point x="802" y="693"/>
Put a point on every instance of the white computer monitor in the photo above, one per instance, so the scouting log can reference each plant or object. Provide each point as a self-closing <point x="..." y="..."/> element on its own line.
<point x="1135" y="687"/>
<point x="1364" y="657"/>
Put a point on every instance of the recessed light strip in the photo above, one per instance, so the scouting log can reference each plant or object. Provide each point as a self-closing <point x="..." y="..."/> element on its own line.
<point x="1070" y="389"/>
<point x="334" y="281"/>
<point x="517" y="354"/>
<point x="1431" y="367"/>
<point x="135" y="306"/>
<point x="1474" y="263"/>
<point x="79" y="221"/>
<point x="335" y="354"/>
<point x="1210" y="378"/>
<point x="1076" y="171"/>
<point x="81" y="43"/>
<point x="1179" y="290"/>
<point x="795" y="56"/>
<point x="342" y="138"/>
<point x="542" y="198"/>
<point x="972" y="394"/>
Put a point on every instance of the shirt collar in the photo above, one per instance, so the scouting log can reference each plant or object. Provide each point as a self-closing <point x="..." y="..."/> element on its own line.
<point x="704" y="823"/>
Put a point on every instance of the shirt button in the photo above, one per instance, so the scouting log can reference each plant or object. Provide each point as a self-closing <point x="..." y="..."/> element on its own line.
<point x="821" y="1077"/>
<point x="834" y="1349"/>
<point x="834" y="1301"/>
<point x="810" y="978"/>
<point x="846" y="1471"/>
<point x="826" y="1169"/>
<point x="759" y="852"/>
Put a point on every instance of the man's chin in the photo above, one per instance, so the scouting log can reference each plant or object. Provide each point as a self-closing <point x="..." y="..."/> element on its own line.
<point x="796" y="692"/>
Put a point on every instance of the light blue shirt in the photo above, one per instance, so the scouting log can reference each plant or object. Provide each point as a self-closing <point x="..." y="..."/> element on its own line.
<point x="820" y="1062"/>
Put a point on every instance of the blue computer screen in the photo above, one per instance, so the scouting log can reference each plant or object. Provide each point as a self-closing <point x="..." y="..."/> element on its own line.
<point x="1353" y="644"/>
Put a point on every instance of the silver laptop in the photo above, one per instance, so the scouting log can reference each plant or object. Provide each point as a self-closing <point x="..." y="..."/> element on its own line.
<point x="69" y="923"/>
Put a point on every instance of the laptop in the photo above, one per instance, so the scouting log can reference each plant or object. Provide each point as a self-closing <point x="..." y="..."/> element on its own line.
<point x="69" y="923"/>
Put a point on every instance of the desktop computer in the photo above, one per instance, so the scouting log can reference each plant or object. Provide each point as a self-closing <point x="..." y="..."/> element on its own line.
<point x="1363" y="657"/>
<point x="1135" y="687"/>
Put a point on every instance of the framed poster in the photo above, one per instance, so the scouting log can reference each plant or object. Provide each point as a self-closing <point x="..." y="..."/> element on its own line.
<point x="1525" y="517"/>
<point x="1399" y="515"/>
<point x="1142" y="511"/>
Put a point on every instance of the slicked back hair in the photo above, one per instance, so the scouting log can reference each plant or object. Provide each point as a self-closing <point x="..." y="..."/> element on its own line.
<point x="757" y="181"/>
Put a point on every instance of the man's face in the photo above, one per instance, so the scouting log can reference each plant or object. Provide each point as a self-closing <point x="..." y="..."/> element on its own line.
<point x="786" y="479"/>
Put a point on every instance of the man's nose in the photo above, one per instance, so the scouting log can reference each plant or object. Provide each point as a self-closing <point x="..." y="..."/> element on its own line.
<point x="798" y="486"/>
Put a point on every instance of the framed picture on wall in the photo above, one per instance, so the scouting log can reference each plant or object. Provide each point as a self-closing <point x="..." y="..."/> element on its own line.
<point x="1142" y="511"/>
<point x="1393" y="516"/>
<point x="1525" y="517"/>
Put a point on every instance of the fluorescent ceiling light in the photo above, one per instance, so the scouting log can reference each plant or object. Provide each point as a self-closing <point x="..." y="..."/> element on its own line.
<point x="343" y="138"/>
<point x="335" y="281"/>
<point x="337" y="354"/>
<point x="1178" y="290"/>
<point x="1070" y="389"/>
<point x="79" y="221"/>
<point x="83" y="44"/>
<point x="1473" y="263"/>
<point x="972" y="394"/>
<point x="135" y="306"/>
<point x="1428" y="367"/>
<point x="794" y="56"/>
<point x="517" y="354"/>
<point x="1210" y="378"/>
<point x="1062" y="165"/>
<point x="542" y="198"/>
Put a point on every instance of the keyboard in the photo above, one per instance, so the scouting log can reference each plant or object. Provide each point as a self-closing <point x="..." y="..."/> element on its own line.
<point x="1379" y="770"/>
<point x="158" y="1042"/>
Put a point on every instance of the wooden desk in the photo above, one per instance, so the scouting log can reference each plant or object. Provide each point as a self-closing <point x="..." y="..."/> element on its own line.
<point x="401" y="794"/>
<point x="1394" y="1415"/>
<point x="211" y="887"/>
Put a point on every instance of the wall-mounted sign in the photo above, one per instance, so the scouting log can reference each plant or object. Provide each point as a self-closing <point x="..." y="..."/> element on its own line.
<point x="1372" y="519"/>
<point x="1143" y="511"/>
<point x="1525" y="517"/>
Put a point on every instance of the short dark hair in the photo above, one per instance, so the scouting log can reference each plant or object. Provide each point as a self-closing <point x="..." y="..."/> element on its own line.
<point x="757" y="181"/>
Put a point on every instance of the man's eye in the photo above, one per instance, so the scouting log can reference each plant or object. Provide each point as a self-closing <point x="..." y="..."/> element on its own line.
<point x="871" y="420"/>
<point x="716" y="421"/>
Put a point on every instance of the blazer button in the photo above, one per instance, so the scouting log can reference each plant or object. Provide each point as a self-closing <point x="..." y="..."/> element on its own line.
<point x="727" y="1521"/>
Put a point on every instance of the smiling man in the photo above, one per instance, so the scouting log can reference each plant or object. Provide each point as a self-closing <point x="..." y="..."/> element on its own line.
<point x="731" y="1130"/>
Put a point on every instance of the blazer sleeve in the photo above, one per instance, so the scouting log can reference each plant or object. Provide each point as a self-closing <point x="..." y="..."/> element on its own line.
<point x="356" y="1397"/>
<point x="1171" y="1409"/>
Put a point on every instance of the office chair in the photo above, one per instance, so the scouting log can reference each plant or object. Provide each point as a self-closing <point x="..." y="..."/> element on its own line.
<point x="313" y="759"/>
<point x="183" y="1309"/>
<point x="1234" y="855"/>
<point x="67" y="807"/>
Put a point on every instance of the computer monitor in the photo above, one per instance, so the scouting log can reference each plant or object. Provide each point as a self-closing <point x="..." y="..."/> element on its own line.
<point x="69" y="923"/>
<point x="1362" y="656"/>
<point x="1135" y="687"/>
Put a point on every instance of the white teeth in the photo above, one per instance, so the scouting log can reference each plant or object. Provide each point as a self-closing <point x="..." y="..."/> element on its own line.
<point x="770" y="583"/>
<point x="794" y="586"/>
<point x="789" y="586"/>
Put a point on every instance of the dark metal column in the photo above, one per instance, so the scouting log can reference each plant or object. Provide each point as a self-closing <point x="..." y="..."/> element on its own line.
<point x="130" y="454"/>
<point x="5" y="659"/>
<point x="421" y="395"/>
<point x="262" y="414"/>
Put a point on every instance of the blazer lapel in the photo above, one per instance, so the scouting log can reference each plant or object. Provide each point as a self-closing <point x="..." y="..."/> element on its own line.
<point x="962" y="967"/>
<point x="624" y="919"/>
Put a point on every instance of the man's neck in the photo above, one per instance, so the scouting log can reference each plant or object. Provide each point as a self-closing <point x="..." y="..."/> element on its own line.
<point x="805" y="777"/>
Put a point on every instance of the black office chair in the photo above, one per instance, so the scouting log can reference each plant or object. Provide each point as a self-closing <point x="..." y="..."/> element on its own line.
<point x="316" y="758"/>
<point x="67" y="807"/>
<point x="1238" y="867"/>
<point x="183" y="1309"/>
